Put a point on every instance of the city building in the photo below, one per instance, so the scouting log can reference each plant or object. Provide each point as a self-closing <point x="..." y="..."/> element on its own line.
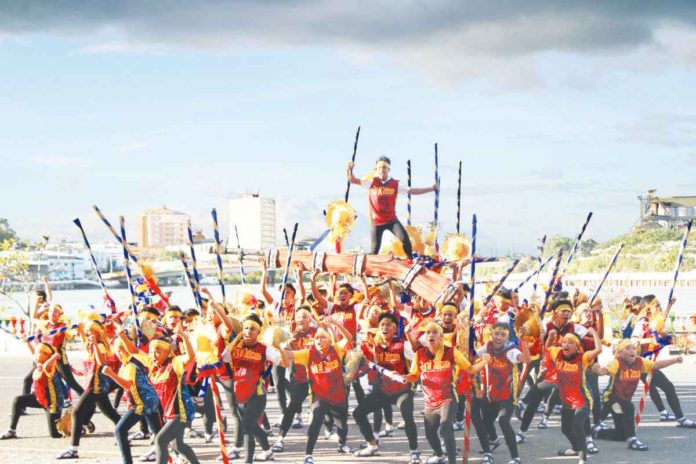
<point x="160" y="227"/>
<point x="255" y="218"/>
<point x="666" y="212"/>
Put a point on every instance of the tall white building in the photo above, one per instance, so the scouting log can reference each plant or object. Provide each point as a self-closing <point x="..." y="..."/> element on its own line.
<point x="255" y="218"/>
<point x="160" y="227"/>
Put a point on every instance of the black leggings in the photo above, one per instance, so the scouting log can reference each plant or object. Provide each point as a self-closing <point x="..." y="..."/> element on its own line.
<point x="624" y="421"/>
<point x="28" y="380"/>
<point x="128" y="420"/>
<point x="660" y="380"/>
<point x="320" y="408"/>
<point x="249" y="414"/>
<point x="532" y="374"/>
<point x="593" y="384"/>
<point x="375" y="401"/>
<point x="66" y="372"/>
<point x="536" y="394"/>
<point x="477" y="420"/>
<point x="395" y="228"/>
<point x="298" y="392"/>
<point x="30" y="401"/>
<point x="84" y="409"/>
<point x="281" y="385"/>
<point x="573" y="426"/>
<point x="501" y="410"/>
<point x="441" y="419"/>
<point x="173" y="431"/>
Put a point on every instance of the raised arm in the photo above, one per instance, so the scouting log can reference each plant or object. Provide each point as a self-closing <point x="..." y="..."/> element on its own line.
<point x="264" y="276"/>
<point x="315" y="291"/>
<point x="47" y="287"/>
<point x="351" y="177"/>
<point x="347" y="337"/>
<point x="592" y="354"/>
<point x="524" y="357"/>
<point x="300" y="286"/>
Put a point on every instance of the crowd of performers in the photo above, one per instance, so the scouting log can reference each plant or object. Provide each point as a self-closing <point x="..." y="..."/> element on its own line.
<point x="330" y="338"/>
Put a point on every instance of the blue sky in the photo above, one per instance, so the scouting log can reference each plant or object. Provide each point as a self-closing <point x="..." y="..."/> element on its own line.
<point x="130" y="111"/>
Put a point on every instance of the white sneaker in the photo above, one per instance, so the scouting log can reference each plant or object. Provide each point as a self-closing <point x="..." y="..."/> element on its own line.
<point x="297" y="422"/>
<point x="278" y="446"/>
<point x="436" y="460"/>
<point x="369" y="450"/>
<point x="150" y="456"/>
<point x="519" y="437"/>
<point x="208" y="437"/>
<point x="264" y="455"/>
<point x="68" y="454"/>
<point x="389" y="431"/>
<point x="458" y="425"/>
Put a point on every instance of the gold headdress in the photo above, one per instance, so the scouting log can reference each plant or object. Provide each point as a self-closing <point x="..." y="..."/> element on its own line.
<point x="456" y="247"/>
<point x="340" y="217"/>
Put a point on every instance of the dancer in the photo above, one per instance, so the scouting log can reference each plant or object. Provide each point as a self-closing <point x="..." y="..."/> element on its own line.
<point x="435" y="364"/>
<point x="382" y="191"/>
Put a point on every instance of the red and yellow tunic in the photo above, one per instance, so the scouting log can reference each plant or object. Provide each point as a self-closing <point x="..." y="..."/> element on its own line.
<point x="346" y="316"/>
<point x="167" y="381"/>
<point x="548" y="360"/>
<point x="248" y="363"/>
<point x="625" y="377"/>
<point x="502" y="375"/>
<point x="382" y="199"/>
<point x="57" y="340"/>
<point x="325" y="372"/>
<point x="391" y="357"/>
<point x="45" y="389"/>
<point x="572" y="381"/>
<point x="437" y="373"/>
<point x="301" y="341"/>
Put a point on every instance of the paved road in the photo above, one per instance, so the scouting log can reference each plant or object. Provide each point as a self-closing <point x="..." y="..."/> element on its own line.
<point x="668" y="444"/>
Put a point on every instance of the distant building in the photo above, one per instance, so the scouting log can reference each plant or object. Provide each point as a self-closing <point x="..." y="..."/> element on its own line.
<point x="255" y="218"/>
<point x="160" y="227"/>
<point x="666" y="212"/>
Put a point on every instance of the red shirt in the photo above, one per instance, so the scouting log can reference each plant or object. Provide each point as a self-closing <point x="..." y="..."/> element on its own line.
<point x="391" y="357"/>
<point x="248" y="364"/>
<point x="382" y="198"/>
<point x="437" y="375"/>
<point x="625" y="377"/>
<point x="167" y="381"/>
<point x="572" y="382"/>
<point x="346" y="316"/>
<point x="301" y="341"/>
<point x="44" y="389"/>
<point x="325" y="373"/>
<point x="501" y="372"/>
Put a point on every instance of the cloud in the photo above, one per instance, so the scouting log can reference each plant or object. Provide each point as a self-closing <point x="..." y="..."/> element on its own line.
<point x="131" y="147"/>
<point x="51" y="160"/>
<point x="448" y="40"/>
<point x="673" y="130"/>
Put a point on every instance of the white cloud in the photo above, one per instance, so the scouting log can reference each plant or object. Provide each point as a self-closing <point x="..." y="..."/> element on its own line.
<point x="131" y="147"/>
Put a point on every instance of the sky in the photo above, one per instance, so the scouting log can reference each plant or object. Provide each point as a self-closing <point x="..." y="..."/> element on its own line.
<point x="554" y="108"/>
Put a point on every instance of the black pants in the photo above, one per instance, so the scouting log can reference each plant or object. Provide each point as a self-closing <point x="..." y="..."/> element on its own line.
<point x="320" y="408"/>
<point x="375" y="401"/>
<point x="83" y="410"/>
<point x="532" y="375"/>
<point x="624" y="421"/>
<point x="281" y="386"/>
<point x="249" y="413"/>
<point x="127" y="421"/>
<point x="501" y="410"/>
<point x="30" y="401"/>
<point x="573" y="426"/>
<point x="536" y="394"/>
<point x="593" y="384"/>
<point x="441" y="419"/>
<point x="69" y="378"/>
<point x="298" y="392"/>
<point x="477" y="420"/>
<point x="28" y="380"/>
<point x="660" y="381"/>
<point x="552" y="401"/>
<point x="173" y="431"/>
<point x="395" y="228"/>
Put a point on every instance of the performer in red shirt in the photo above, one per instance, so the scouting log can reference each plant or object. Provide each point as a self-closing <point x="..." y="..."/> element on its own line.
<point x="435" y="364"/>
<point x="323" y="362"/>
<point x="571" y="365"/>
<point x="382" y="192"/>
<point x="387" y="350"/>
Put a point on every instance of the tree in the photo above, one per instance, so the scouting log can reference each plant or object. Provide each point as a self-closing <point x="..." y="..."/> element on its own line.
<point x="6" y="232"/>
<point x="16" y="279"/>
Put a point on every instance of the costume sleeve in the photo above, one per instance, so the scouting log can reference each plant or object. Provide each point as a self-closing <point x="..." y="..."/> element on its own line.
<point x="415" y="365"/>
<point x="647" y="366"/>
<point x="586" y="360"/>
<point x="613" y="367"/>
<point x="402" y="190"/>
<point x="301" y="357"/>
<point x="553" y="352"/>
<point x="179" y="365"/>
<point x="127" y="372"/>
<point x="482" y="350"/>
<point x="460" y="360"/>
<point x="341" y="352"/>
<point x="513" y="354"/>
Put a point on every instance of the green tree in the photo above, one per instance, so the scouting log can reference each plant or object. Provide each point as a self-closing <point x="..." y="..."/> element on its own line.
<point x="6" y="232"/>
